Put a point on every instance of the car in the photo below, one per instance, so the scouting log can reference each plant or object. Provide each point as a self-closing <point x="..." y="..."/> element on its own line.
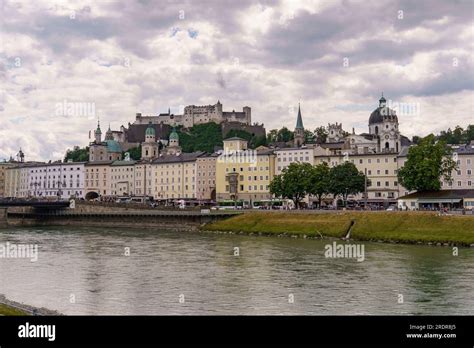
<point x="392" y="208"/>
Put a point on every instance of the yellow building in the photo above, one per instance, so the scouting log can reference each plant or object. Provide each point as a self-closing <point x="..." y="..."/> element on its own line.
<point x="97" y="179"/>
<point x="143" y="178"/>
<point x="3" y="169"/>
<point x="206" y="177"/>
<point x="243" y="174"/>
<point x="12" y="181"/>
<point x="122" y="178"/>
<point x="174" y="176"/>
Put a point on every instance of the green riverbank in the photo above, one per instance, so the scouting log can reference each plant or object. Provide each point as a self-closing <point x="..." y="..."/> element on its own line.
<point x="10" y="311"/>
<point x="402" y="227"/>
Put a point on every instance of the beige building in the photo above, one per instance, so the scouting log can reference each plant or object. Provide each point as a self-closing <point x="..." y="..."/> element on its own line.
<point x="12" y="181"/>
<point x="3" y="170"/>
<point x="206" y="177"/>
<point x="143" y="178"/>
<point x="97" y="179"/>
<point x="381" y="170"/>
<point x="242" y="174"/>
<point x="122" y="178"/>
<point x="174" y="176"/>
<point x="284" y="157"/>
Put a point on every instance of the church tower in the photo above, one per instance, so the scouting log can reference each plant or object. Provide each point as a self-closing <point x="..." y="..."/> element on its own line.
<point x="150" y="148"/>
<point x="299" y="130"/>
<point x="98" y="134"/>
<point x="173" y="143"/>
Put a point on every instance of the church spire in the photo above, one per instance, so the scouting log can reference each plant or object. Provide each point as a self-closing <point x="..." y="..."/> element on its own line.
<point x="299" y="120"/>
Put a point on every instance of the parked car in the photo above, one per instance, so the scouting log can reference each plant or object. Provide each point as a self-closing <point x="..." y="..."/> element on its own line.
<point x="392" y="208"/>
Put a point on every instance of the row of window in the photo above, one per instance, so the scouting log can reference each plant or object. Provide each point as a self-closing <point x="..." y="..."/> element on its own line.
<point x="250" y="188"/>
<point x="458" y="183"/>
<point x="54" y="169"/>
<point x="249" y="168"/>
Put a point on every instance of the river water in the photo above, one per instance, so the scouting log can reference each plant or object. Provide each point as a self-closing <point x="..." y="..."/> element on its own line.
<point x="85" y="271"/>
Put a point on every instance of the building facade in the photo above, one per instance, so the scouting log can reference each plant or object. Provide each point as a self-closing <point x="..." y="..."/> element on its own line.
<point x="242" y="174"/>
<point x="122" y="178"/>
<point x="3" y="172"/>
<point x="174" y="176"/>
<point x="97" y="176"/>
<point x="56" y="180"/>
<point x="206" y="177"/>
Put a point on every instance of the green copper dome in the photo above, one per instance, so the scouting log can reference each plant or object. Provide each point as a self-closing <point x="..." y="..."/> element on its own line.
<point x="150" y="130"/>
<point x="174" y="135"/>
<point x="113" y="146"/>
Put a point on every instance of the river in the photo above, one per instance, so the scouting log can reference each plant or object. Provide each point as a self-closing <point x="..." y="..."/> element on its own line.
<point x="82" y="270"/>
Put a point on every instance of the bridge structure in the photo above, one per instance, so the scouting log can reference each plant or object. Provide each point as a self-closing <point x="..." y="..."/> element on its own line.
<point x="44" y="205"/>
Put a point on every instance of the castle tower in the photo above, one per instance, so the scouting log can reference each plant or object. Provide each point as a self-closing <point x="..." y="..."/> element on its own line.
<point x="299" y="129"/>
<point x="248" y="114"/>
<point x="150" y="148"/>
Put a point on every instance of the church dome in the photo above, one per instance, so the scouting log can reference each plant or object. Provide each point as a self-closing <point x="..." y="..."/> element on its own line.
<point x="174" y="135"/>
<point x="150" y="130"/>
<point x="113" y="146"/>
<point x="382" y="113"/>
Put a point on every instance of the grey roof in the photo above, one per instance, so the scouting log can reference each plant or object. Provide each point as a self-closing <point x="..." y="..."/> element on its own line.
<point x="463" y="149"/>
<point x="405" y="141"/>
<point x="98" y="163"/>
<point x="124" y="163"/>
<point x="337" y="145"/>
<point x="235" y="138"/>
<point x="182" y="157"/>
<point x="442" y="194"/>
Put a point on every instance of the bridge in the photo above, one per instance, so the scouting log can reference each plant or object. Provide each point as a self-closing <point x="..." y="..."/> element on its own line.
<point x="34" y="204"/>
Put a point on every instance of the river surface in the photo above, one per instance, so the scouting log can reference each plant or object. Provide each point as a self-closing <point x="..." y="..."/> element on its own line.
<point x="85" y="271"/>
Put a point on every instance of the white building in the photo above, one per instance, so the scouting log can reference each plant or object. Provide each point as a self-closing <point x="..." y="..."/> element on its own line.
<point x="52" y="180"/>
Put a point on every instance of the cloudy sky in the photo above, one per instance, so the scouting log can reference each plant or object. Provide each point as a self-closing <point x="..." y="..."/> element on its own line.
<point x="114" y="59"/>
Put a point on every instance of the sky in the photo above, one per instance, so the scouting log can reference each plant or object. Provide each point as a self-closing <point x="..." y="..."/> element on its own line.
<point x="64" y="64"/>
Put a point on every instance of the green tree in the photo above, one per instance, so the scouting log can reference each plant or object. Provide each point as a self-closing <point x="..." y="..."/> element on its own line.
<point x="319" y="181"/>
<point x="427" y="163"/>
<point x="308" y="136"/>
<point x="135" y="153"/>
<point x="200" y="137"/>
<point x="345" y="179"/>
<point x="293" y="183"/>
<point x="254" y="141"/>
<point x="77" y="154"/>
<point x="272" y="136"/>
<point x="415" y="139"/>
<point x="321" y="134"/>
<point x="285" y="135"/>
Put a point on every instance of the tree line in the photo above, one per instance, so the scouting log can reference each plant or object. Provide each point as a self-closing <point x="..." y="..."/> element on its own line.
<point x="299" y="180"/>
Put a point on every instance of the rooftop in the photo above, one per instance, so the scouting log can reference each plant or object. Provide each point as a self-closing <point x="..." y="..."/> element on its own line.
<point x="442" y="194"/>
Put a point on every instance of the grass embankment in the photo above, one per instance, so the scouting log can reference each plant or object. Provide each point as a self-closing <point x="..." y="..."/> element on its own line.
<point x="405" y="227"/>
<point x="9" y="311"/>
